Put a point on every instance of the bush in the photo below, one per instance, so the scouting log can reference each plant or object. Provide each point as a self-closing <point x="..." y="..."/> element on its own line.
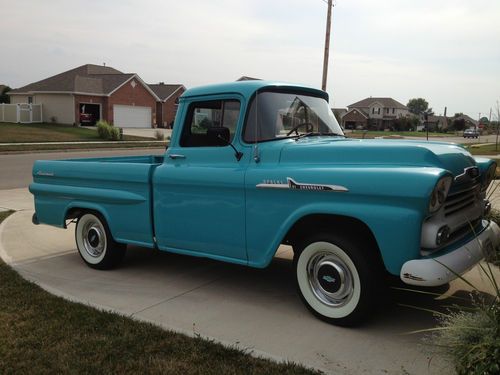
<point x="107" y="131"/>
<point x="471" y="339"/>
<point x="470" y="336"/>
<point x="159" y="135"/>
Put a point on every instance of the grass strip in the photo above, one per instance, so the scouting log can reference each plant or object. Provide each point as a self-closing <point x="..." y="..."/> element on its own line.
<point x="20" y="133"/>
<point x="87" y="146"/>
<point x="44" y="334"/>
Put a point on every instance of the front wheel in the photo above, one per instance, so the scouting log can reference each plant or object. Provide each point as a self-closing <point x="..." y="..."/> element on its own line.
<point x="336" y="279"/>
<point x="95" y="244"/>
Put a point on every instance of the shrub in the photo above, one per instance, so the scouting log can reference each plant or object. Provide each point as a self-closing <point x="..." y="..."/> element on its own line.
<point x="472" y="338"/>
<point x="159" y="135"/>
<point x="107" y="131"/>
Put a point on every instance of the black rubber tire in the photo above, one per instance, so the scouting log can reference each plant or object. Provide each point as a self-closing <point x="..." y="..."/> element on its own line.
<point x="366" y="266"/>
<point x="112" y="252"/>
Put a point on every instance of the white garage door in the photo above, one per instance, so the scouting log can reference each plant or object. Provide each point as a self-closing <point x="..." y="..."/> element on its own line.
<point x="127" y="116"/>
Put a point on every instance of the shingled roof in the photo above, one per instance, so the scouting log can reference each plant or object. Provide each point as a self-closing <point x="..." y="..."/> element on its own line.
<point x="87" y="79"/>
<point x="386" y="102"/>
<point x="165" y="91"/>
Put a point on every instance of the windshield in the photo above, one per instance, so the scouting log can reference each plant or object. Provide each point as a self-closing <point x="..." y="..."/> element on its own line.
<point x="277" y="115"/>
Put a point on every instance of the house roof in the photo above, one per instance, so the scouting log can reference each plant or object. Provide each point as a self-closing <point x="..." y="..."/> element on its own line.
<point x="88" y="79"/>
<point x="386" y="103"/>
<point x="466" y="119"/>
<point x="246" y="78"/>
<point x="165" y="91"/>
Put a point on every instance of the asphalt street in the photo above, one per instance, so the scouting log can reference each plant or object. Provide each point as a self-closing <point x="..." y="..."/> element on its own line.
<point x="15" y="169"/>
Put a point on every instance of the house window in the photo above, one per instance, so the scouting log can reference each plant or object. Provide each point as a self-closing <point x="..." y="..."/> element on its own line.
<point x="393" y="110"/>
<point x="378" y="111"/>
<point x="30" y="100"/>
<point x="373" y="110"/>
<point x="387" y="110"/>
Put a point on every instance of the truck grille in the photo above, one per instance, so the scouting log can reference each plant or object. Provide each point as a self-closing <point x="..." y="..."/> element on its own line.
<point x="461" y="199"/>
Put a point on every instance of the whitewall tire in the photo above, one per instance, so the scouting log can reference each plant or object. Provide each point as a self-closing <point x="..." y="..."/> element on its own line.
<point x="95" y="244"/>
<point x="335" y="279"/>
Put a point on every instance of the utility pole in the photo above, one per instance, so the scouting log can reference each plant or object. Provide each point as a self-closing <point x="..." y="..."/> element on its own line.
<point x="327" y="44"/>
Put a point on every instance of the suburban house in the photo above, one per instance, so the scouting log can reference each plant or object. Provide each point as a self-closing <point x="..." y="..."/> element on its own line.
<point x="90" y="93"/>
<point x="166" y="108"/>
<point x="376" y="113"/>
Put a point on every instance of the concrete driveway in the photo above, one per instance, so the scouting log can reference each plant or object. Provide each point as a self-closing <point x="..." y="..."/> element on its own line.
<point x="257" y="310"/>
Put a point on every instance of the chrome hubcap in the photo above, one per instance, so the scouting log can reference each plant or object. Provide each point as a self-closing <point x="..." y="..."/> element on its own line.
<point x="94" y="239"/>
<point x="330" y="279"/>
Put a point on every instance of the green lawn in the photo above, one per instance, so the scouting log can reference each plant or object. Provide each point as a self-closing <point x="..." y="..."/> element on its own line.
<point x="44" y="334"/>
<point x="19" y="133"/>
<point x="484" y="150"/>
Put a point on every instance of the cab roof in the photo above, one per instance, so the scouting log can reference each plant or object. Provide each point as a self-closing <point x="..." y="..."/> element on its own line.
<point x="248" y="88"/>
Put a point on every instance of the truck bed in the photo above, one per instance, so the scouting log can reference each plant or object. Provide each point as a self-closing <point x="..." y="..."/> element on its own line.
<point x="118" y="186"/>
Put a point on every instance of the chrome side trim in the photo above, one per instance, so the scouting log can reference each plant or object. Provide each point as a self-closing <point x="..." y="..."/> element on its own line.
<point x="294" y="185"/>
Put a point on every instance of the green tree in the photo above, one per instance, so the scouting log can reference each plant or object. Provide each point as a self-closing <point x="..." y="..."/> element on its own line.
<point x="484" y="120"/>
<point x="418" y="105"/>
<point x="4" y="98"/>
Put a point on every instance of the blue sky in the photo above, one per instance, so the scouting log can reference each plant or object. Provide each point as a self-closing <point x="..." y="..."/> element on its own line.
<point x="445" y="51"/>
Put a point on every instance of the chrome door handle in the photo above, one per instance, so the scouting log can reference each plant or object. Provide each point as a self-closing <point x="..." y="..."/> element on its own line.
<point x="176" y="156"/>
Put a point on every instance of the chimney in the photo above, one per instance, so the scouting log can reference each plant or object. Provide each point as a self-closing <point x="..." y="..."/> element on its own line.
<point x="161" y="83"/>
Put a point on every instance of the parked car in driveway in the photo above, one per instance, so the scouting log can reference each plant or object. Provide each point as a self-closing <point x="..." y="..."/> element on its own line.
<point x="255" y="164"/>
<point x="471" y="133"/>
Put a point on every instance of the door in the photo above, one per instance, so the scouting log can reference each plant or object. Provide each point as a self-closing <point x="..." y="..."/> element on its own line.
<point x="128" y="116"/>
<point x="199" y="191"/>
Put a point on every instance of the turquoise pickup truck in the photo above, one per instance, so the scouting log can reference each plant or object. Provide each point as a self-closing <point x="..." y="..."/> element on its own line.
<point x="253" y="165"/>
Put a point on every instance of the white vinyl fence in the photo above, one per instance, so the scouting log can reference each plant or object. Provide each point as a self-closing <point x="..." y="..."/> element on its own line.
<point x="21" y="113"/>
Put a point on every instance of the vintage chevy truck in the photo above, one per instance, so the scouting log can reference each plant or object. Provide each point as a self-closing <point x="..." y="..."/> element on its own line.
<point x="252" y="165"/>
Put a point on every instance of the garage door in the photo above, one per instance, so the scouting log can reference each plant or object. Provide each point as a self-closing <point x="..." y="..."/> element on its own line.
<point x="127" y="116"/>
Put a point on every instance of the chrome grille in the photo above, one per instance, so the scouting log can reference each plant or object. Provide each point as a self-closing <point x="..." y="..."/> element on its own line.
<point x="460" y="199"/>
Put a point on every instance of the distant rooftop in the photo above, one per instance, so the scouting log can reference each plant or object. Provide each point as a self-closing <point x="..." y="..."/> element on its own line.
<point x="164" y="91"/>
<point x="386" y="102"/>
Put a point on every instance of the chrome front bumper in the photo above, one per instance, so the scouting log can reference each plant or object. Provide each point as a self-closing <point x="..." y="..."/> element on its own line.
<point x="445" y="268"/>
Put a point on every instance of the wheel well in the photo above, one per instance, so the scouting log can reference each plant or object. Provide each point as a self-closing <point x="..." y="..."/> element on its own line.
<point x="350" y="227"/>
<point x="77" y="212"/>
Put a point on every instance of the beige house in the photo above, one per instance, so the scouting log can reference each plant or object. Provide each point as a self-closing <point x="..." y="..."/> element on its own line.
<point x="90" y="93"/>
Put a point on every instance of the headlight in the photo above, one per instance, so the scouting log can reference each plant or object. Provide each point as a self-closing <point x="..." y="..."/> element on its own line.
<point x="489" y="175"/>
<point x="439" y="194"/>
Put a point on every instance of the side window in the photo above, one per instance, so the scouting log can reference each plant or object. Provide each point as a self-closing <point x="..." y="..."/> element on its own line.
<point x="210" y="123"/>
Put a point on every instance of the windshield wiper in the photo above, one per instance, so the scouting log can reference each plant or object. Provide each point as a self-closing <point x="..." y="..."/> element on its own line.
<point x="317" y="134"/>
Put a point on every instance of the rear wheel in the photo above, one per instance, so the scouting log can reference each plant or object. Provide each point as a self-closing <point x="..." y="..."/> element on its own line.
<point x="95" y="244"/>
<point x="336" y="279"/>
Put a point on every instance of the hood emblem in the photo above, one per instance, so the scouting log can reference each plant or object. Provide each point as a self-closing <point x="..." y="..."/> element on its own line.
<point x="294" y="185"/>
<point x="469" y="173"/>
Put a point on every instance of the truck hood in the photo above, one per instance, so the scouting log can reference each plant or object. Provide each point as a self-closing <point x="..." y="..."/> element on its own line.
<point x="323" y="150"/>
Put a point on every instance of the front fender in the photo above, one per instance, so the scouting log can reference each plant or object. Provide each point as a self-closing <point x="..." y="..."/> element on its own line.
<point x="397" y="236"/>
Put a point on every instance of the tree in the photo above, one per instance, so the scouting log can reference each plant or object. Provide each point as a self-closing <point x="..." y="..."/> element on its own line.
<point x="4" y="98"/>
<point x="417" y="105"/>
<point x="484" y="120"/>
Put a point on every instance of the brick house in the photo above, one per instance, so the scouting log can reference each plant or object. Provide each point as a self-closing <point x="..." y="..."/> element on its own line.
<point x="375" y="113"/>
<point x="166" y="108"/>
<point x="90" y="93"/>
